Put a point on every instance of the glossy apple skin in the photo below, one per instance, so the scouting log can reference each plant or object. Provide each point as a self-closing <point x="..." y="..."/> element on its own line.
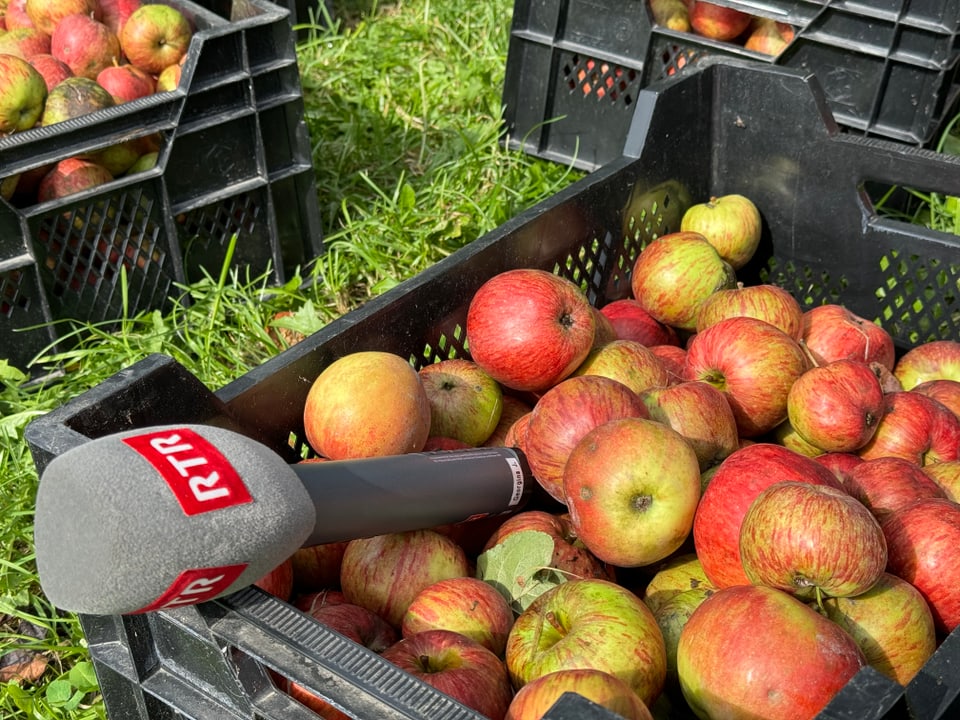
<point x="806" y="539"/>
<point x="23" y="93"/>
<point x="513" y="409"/>
<point x="673" y="576"/>
<point x="886" y="484"/>
<point x="717" y="22"/>
<point x="626" y="361"/>
<point x="535" y="698"/>
<point x="589" y="624"/>
<point x="754" y="363"/>
<point x="914" y="427"/>
<point x="457" y="666"/>
<point x="922" y="540"/>
<point x="732" y="488"/>
<point x="891" y="623"/>
<point x="841" y="464"/>
<point x="155" y="37"/>
<point x="465" y="402"/>
<point x="764" y="302"/>
<point x="675" y="273"/>
<point x="466" y="605"/>
<point x="929" y="361"/>
<point x="86" y="45"/>
<point x="831" y="332"/>
<point x="529" y="329"/>
<point x="279" y="581"/>
<point x="943" y="390"/>
<point x="385" y="573"/>
<point x="731" y="223"/>
<point x="564" y="415"/>
<point x="632" y="488"/>
<point x="673" y="357"/>
<point x="739" y="654"/>
<point x="361" y="625"/>
<point x="947" y="476"/>
<point x="836" y="407"/>
<point x="318" y="566"/>
<point x="632" y="322"/>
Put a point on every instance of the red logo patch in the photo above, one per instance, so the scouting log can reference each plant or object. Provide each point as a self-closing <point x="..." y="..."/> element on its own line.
<point x="196" y="586"/>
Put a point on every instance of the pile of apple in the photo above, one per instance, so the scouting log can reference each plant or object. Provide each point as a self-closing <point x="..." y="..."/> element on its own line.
<point x="61" y="59"/>
<point x="741" y="503"/>
<point x="753" y="32"/>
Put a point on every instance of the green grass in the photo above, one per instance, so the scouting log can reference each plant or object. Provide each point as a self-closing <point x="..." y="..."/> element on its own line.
<point x="402" y="101"/>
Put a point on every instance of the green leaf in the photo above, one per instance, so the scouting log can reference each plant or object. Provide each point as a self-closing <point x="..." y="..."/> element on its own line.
<point x="408" y="198"/>
<point x="59" y="692"/>
<point x="10" y="374"/>
<point x="519" y="567"/>
<point x="21" y="698"/>
<point x="83" y="677"/>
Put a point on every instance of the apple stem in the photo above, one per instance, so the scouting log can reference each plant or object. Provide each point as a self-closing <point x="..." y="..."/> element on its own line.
<point x="808" y="353"/>
<point x="555" y="623"/>
<point x="818" y="594"/>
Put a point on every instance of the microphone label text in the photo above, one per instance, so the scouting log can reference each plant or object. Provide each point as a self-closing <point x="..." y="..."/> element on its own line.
<point x="195" y="586"/>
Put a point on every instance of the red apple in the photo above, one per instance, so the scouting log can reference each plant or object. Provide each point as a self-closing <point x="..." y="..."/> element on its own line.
<point x="310" y="601"/>
<point x="126" y="82"/>
<point x="732" y="488"/>
<point x="753" y="363"/>
<point x="943" y="390"/>
<point x="929" y="361"/>
<point x="885" y="484"/>
<point x="785" y="434"/>
<point x="22" y="94"/>
<point x="516" y="434"/>
<point x="357" y="623"/>
<point x="155" y="36"/>
<point x="764" y="302"/>
<point x="529" y="329"/>
<point x="114" y="13"/>
<point x="922" y="540"/>
<point x="47" y="14"/>
<point x="589" y="624"/>
<point x="916" y="428"/>
<point x="632" y="487"/>
<point x="513" y="409"/>
<point x="318" y="566"/>
<point x="605" y="332"/>
<point x="831" y="332"/>
<point x="731" y="223"/>
<point x="466" y="605"/>
<point x="311" y="700"/>
<point x="947" y="476"/>
<point x="86" y="45"/>
<point x="535" y="698"/>
<point x="673" y="358"/>
<point x="71" y="176"/>
<point x="53" y="71"/>
<point x="566" y="413"/>
<point x="675" y="273"/>
<point x="457" y="666"/>
<point x="16" y="15"/>
<point x="279" y="581"/>
<point x="811" y="540"/>
<point x="700" y="413"/>
<point x="570" y="555"/>
<point x="768" y="36"/>
<point x="367" y="404"/>
<point x="752" y="651"/>
<point x="891" y="623"/>
<point x="628" y="361"/>
<point x="632" y="322"/>
<point x="465" y="402"/>
<point x="836" y="407"/>
<point x="385" y="573"/>
<point x="24" y="43"/>
<point x="841" y="464"/>
<point x="717" y="22"/>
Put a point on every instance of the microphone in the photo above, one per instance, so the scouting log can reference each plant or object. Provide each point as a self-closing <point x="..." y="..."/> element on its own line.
<point x="176" y="515"/>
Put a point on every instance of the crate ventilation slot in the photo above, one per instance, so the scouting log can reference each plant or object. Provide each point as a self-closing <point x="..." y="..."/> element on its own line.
<point x="601" y="80"/>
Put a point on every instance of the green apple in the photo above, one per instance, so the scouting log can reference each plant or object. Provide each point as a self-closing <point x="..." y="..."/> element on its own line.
<point x="22" y="94"/>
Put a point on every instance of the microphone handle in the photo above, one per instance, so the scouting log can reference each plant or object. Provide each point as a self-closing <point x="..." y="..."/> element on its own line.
<point x="374" y="496"/>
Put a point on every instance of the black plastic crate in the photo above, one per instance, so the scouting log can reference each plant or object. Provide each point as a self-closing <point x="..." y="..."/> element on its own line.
<point x="759" y="130"/>
<point x="235" y="160"/>
<point x="574" y="67"/>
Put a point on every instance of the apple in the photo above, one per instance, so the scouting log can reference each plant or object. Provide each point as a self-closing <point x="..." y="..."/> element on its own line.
<point x="570" y="555"/>
<point x="155" y="36"/>
<point x="53" y="71"/>
<point x="22" y="94"/>
<point x="831" y="332"/>
<point x="672" y="616"/>
<point x="147" y="161"/>
<point x="457" y="666"/>
<point x="717" y="22"/>
<point x="529" y="329"/>
<point x="673" y="576"/>
<point x="891" y="623"/>
<point x="604" y="332"/>
<point x="671" y="14"/>
<point x="86" y="45"/>
<point x="465" y="402"/>
<point x="943" y="390"/>
<point x="675" y="273"/>
<point x="385" y="573"/>
<point x="752" y="651"/>
<point x="516" y="435"/>
<point x="732" y="488"/>
<point x="731" y="223"/>
<point x="836" y="407"/>
<point x="932" y="360"/>
<point x="673" y="358"/>
<point x="279" y="581"/>
<point x="308" y="698"/>
<point x="754" y="363"/>
<point x="318" y="566"/>
<point x="764" y="302"/>
<point x="885" y="484"/>
<point x="632" y="322"/>
<point x="566" y="413"/>
<point x="589" y="623"/>
<point x="916" y="428"/>
<point x="16" y="15"/>
<point x="535" y="698"/>
<point x="169" y="78"/>
<point x="73" y="97"/>
<point x="922" y="541"/>
<point x="632" y="487"/>
<point x="466" y="605"/>
<point x="309" y="601"/>
<point x="357" y="623"/>
<point x="24" y="43"/>
<point x="513" y="409"/>
<point x="125" y="82"/>
<point x="367" y="404"/>
<point x="70" y="176"/>
<point x="947" y="476"/>
<point x="47" y="14"/>
<point x="786" y="434"/>
<point x="8" y="186"/>
<point x="768" y="36"/>
<point x="628" y="361"/>
<point x="841" y="464"/>
<point x="119" y="157"/>
<point x="700" y="413"/>
<point x="810" y="540"/>
<point x="114" y="13"/>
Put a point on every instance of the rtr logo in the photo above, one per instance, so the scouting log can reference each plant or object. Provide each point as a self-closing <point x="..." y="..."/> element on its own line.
<point x="195" y="586"/>
<point x="199" y="476"/>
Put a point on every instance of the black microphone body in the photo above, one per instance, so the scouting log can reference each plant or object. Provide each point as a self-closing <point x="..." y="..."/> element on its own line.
<point x="174" y="515"/>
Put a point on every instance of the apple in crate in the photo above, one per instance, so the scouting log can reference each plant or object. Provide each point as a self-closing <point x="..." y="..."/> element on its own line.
<point x="731" y="223"/>
<point x="54" y="71"/>
<point x="70" y="176"/>
<point x="627" y="361"/>
<point x="24" y="42"/>
<point x="512" y="410"/>
<point x="751" y="651"/>
<point x="465" y="402"/>
<point x="279" y="581"/>
<point x="929" y="361"/>
<point x="764" y="302"/>
<point x="22" y="94"/>
<point x="47" y="14"/>
<point x="126" y="82"/>
<point x="73" y="97"/>
<point x="529" y="329"/>
<point x="456" y="666"/>
<point x="155" y="37"/>
<point x="675" y="575"/>
<point x="942" y="390"/>
<point x="947" y="476"/>
<point x="114" y="13"/>
<point x="589" y="623"/>
<point x="717" y="22"/>
<point x="885" y="484"/>
<point x="832" y="332"/>
<point x="840" y="464"/>
<point x="16" y="15"/>
<point x="632" y="322"/>
<point x="169" y="78"/>
<point x="357" y="623"/>
<point x="86" y="45"/>
<point x="535" y="698"/>
<point x="769" y="36"/>
<point x="318" y="566"/>
<point x="914" y="427"/>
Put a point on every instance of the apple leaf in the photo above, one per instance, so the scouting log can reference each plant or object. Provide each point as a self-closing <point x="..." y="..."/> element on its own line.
<point x="519" y="567"/>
